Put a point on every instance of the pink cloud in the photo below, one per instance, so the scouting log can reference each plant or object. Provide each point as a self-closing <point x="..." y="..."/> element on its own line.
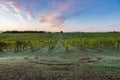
<point x="53" y="17"/>
<point x="57" y="13"/>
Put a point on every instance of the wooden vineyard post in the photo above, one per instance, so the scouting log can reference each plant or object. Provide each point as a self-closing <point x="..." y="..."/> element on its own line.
<point x="31" y="46"/>
<point x="116" y="45"/>
<point x="16" y="46"/>
<point x="99" y="48"/>
<point x="49" y="45"/>
<point x="84" y="45"/>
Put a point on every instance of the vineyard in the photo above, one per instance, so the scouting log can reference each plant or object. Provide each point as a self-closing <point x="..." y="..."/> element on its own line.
<point x="59" y="56"/>
<point x="21" y="41"/>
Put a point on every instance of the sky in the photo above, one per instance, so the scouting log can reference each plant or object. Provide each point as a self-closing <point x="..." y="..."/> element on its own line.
<point x="57" y="15"/>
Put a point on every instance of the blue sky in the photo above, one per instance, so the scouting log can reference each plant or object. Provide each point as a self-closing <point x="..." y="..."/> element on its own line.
<point x="56" y="15"/>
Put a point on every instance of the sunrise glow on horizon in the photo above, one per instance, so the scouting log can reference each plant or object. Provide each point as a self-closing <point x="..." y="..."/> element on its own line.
<point x="57" y="15"/>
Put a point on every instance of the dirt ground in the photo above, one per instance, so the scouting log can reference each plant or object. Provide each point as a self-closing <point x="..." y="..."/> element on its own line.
<point x="59" y="65"/>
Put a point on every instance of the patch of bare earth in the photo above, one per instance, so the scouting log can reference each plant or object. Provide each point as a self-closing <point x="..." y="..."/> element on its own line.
<point x="78" y="71"/>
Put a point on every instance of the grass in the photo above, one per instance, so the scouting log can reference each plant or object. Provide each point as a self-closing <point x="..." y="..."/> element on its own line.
<point x="14" y="66"/>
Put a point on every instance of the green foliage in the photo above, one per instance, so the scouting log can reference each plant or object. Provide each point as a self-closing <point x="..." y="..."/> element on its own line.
<point x="65" y="44"/>
<point x="24" y="41"/>
<point x="93" y="40"/>
<point x="51" y="44"/>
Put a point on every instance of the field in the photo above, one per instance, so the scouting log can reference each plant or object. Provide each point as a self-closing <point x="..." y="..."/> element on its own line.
<point x="60" y="56"/>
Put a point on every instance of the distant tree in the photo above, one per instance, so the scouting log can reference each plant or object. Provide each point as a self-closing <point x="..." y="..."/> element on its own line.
<point x="24" y="32"/>
<point x="61" y="31"/>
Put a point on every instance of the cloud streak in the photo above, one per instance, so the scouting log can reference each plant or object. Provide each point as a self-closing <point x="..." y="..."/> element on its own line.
<point x="18" y="10"/>
<point x="14" y="8"/>
<point x="3" y="8"/>
<point x="15" y="5"/>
